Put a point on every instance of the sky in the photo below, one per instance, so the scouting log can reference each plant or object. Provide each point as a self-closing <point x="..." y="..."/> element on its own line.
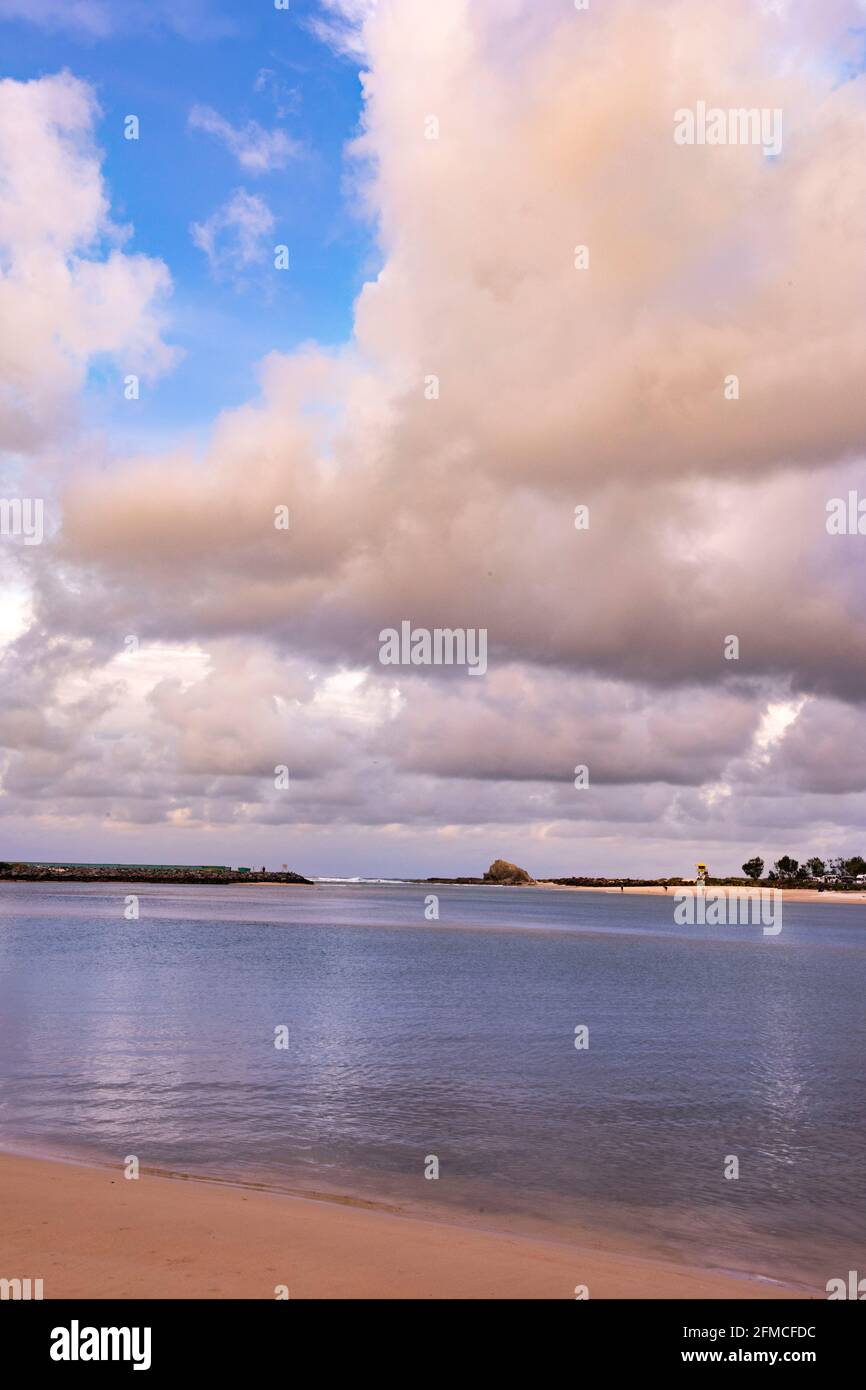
<point x="424" y="280"/>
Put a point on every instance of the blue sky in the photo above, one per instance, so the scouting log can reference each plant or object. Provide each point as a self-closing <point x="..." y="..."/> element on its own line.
<point x="249" y="62"/>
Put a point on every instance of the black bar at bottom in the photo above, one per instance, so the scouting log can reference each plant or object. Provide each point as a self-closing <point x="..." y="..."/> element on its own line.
<point x="226" y="1337"/>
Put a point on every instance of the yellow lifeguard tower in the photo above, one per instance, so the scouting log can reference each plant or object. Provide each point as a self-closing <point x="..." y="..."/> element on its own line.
<point x="702" y="874"/>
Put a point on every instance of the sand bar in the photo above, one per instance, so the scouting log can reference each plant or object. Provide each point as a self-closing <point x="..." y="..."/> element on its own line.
<point x="789" y="895"/>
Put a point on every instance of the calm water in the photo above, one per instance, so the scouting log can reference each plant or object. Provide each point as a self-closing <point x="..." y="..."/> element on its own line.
<point x="410" y="1038"/>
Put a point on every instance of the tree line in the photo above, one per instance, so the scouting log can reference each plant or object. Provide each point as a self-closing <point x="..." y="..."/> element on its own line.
<point x="788" y="868"/>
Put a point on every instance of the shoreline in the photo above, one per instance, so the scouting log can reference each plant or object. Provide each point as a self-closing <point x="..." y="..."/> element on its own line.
<point x="87" y="1232"/>
<point x="856" y="897"/>
<point x="789" y="895"/>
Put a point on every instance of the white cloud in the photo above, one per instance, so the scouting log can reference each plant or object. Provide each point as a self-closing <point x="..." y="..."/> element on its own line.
<point x="341" y="24"/>
<point x="775" y="723"/>
<point x="232" y="237"/>
<point x="257" y="150"/>
<point x="67" y="290"/>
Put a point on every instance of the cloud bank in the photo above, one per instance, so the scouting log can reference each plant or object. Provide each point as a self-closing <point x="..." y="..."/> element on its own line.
<point x="566" y="297"/>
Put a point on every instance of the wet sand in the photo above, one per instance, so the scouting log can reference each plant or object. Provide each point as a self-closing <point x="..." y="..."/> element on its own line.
<point x="88" y="1232"/>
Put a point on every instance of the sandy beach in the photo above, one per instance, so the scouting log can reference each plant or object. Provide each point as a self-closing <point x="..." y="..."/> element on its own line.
<point x="89" y="1233"/>
<point x="789" y="895"/>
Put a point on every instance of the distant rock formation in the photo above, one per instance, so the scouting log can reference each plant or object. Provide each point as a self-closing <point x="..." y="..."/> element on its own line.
<point x="501" y="871"/>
